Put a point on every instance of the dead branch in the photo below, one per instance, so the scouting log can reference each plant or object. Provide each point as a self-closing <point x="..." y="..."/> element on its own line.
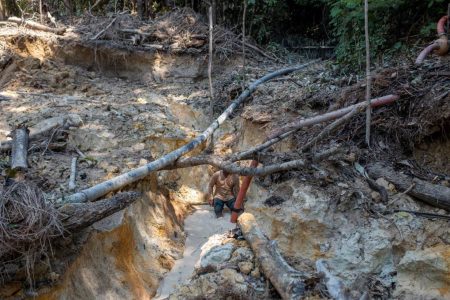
<point x="289" y="282"/>
<point x="45" y="127"/>
<point x="261" y="52"/>
<point x="36" y="26"/>
<point x="122" y="180"/>
<point x="294" y="126"/>
<point x="330" y="129"/>
<point x="283" y="133"/>
<point x="73" y="174"/>
<point x="432" y="194"/>
<point x="101" y="32"/>
<point x="19" y="153"/>
<point x="233" y="168"/>
<point x="76" y="216"/>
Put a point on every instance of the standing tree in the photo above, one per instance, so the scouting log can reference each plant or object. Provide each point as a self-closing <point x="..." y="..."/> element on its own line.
<point x="366" y="32"/>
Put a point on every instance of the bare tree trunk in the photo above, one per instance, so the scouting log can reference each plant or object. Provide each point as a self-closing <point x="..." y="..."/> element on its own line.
<point x="243" y="43"/>
<point x="368" y="79"/>
<point x="75" y="216"/>
<point x="210" y="58"/>
<point x="19" y="152"/>
<point x="289" y="282"/>
<point x="214" y="12"/>
<point x="69" y="6"/>
<point x="140" y="8"/>
<point x="3" y="14"/>
<point x="8" y="8"/>
<point x="40" y="12"/>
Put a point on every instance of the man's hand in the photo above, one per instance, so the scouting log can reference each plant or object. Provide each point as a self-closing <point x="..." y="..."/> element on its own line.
<point x="211" y="201"/>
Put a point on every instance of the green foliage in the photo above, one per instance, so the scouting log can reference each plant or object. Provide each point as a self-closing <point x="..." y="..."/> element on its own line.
<point x="389" y="21"/>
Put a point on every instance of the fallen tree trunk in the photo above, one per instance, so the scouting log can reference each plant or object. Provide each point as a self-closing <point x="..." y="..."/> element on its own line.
<point x="19" y="153"/>
<point x="332" y="115"/>
<point x="76" y="216"/>
<point x="122" y="180"/>
<point x="36" y="26"/>
<point x="43" y="128"/>
<point x="432" y="194"/>
<point x="289" y="282"/>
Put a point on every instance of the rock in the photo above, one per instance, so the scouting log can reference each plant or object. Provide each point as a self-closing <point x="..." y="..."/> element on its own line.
<point x="143" y="162"/>
<point x="113" y="169"/>
<point x="424" y="274"/>
<point x="242" y="254"/>
<point x="383" y="182"/>
<point x="342" y="185"/>
<point x="375" y="196"/>
<point x="131" y="164"/>
<point x="139" y="147"/>
<point x="245" y="267"/>
<point x="255" y="273"/>
<point x="391" y="188"/>
<point x="219" y="285"/>
<point x="213" y="256"/>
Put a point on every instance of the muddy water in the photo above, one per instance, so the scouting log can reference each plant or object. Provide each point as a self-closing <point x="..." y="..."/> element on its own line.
<point x="198" y="227"/>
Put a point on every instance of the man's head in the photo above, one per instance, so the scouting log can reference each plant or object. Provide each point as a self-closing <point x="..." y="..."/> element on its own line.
<point x="225" y="173"/>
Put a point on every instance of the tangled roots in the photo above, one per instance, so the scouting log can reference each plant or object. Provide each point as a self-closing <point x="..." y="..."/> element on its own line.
<point x="27" y="223"/>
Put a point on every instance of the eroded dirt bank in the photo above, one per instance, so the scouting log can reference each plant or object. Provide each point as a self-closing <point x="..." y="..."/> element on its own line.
<point x="138" y="106"/>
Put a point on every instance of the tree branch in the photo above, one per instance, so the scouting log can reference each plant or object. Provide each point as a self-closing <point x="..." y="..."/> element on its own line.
<point x="329" y="129"/>
<point x="296" y="125"/>
<point x="282" y="133"/>
<point x="234" y="168"/>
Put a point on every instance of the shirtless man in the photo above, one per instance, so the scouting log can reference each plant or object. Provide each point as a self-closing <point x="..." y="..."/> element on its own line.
<point x="222" y="190"/>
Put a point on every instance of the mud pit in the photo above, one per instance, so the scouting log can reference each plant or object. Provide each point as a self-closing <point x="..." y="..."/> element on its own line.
<point x="139" y="106"/>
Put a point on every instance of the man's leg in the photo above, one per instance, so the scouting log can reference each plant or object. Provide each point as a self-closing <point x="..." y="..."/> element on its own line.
<point x="218" y="207"/>
<point x="230" y="204"/>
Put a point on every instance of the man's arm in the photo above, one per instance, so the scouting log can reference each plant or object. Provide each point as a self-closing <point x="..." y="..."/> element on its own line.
<point x="212" y="183"/>
<point x="236" y="185"/>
